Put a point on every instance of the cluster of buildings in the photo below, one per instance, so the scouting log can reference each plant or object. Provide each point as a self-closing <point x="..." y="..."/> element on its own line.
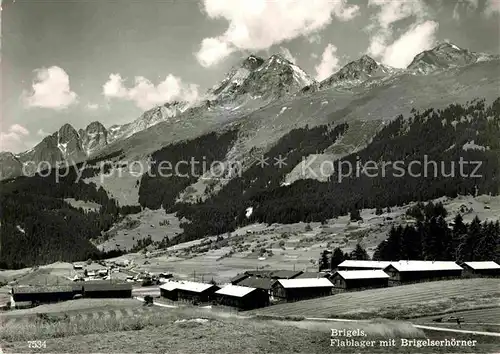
<point x="260" y="288"/>
<point x="254" y="289"/>
<point x="27" y="296"/>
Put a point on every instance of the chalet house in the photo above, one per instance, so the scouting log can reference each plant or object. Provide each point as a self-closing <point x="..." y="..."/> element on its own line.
<point x="106" y="289"/>
<point x="489" y="268"/>
<point x="42" y="294"/>
<point x="242" y="297"/>
<point x="345" y="280"/>
<point x="362" y="265"/>
<point x="188" y="291"/>
<point x="300" y="289"/>
<point x="418" y="271"/>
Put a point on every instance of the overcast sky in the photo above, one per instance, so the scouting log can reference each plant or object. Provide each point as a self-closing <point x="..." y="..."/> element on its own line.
<point x="77" y="61"/>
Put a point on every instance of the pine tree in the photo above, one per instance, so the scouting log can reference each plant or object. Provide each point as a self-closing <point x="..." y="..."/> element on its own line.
<point x="355" y="215"/>
<point x="337" y="257"/>
<point x="466" y="249"/>
<point x="325" y="260"/>
<point x="359" y="253"/>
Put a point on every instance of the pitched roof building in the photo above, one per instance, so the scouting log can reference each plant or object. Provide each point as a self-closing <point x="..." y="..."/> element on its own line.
<point x="300" y="289"/>
<point x="242" y="297"/>
<point x="486" y="268"/>
<point x="188" y="291"/>
<point x="360" y="279"/>
<point x="417" y="271"/>
<point x="362" y="265"/>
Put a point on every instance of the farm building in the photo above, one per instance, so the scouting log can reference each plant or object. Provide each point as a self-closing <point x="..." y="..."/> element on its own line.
<point x="285" y="274"/>
<point x="274" y="274"/>
<point x="242" y="297"/>
<point x="236" y="279"/>
<point x="417" y="271"/>
<point x="188" y="291"/>
<point x="489" y="268"/>
<point x="345" y="280"/>
<point x="168" y="290"/>
<point x="258" y="283"/>
<point x="106" y="289"/>
<point x="77" y="266"/>
<point x="300" y="289"/>
<point x="362" y="265"/>
<point x="42" y="294"/>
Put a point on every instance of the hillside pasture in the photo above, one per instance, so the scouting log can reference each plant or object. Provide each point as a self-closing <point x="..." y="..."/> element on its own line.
<point x="406" y="301"/>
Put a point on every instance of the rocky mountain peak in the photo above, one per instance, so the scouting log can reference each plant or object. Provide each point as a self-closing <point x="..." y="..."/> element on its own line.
<point x="252" y="62"/>
<point x="94" y="137"/>
<point x="356" y="72"/>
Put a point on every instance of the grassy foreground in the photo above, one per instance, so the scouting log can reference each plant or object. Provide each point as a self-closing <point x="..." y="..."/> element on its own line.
<point x="195" y="331"/>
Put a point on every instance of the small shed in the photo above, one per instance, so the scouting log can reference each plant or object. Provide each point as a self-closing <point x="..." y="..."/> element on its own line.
<point x="362" y="265"/>
<point x="300" y="289"/>
<point x="486" y="268"/>
<point x="43" y="294"/>
<point x="242" y="297"/>
<point x="417" y="271"/>
<point x="345" y="280"/>
<point x="106" y="289"/>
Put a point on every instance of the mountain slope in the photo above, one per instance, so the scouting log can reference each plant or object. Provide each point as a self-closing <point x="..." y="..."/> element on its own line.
<point x="445" y="56"/>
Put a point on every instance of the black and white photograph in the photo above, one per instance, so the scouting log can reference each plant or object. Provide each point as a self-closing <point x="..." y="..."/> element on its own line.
<point x="250" y="176"/>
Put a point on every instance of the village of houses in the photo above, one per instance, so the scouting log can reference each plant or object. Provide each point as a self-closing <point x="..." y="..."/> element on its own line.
<point x="249" y="290"/>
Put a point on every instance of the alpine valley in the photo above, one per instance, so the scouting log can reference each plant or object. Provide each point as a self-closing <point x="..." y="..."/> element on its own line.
<point x="444" y="107"/>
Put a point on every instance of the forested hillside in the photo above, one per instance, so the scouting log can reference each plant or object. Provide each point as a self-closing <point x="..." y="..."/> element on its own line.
<point x="457" y="133"/>
<point x="432" y="239"/>
<point x="38" y="227"/>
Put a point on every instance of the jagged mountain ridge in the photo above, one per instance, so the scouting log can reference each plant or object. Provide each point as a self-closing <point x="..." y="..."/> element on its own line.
<point x="248" y="87"/>
<point x="358" y="71"/>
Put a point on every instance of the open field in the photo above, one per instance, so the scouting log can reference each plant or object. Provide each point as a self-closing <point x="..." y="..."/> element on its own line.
<point x="406" y="301"/>
<point x="202" y="331"/>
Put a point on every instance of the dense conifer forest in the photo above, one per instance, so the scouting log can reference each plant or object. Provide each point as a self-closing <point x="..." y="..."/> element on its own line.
<point x="38" y="227"/>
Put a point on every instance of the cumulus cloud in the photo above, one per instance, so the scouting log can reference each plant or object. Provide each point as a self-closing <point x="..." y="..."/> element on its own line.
<point x="50" y="89"/>
<point x="259" y="24"/>
<point x="287" y="55"/>
<point x="146" y="95"/>
<point x="492" y="7"/>
<point x="212" y="51"/>
<point x="14" y="138"/>
<point x="419" y="36"/>
<point x="415" y="40"/>
<point x="329" y="64"/>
